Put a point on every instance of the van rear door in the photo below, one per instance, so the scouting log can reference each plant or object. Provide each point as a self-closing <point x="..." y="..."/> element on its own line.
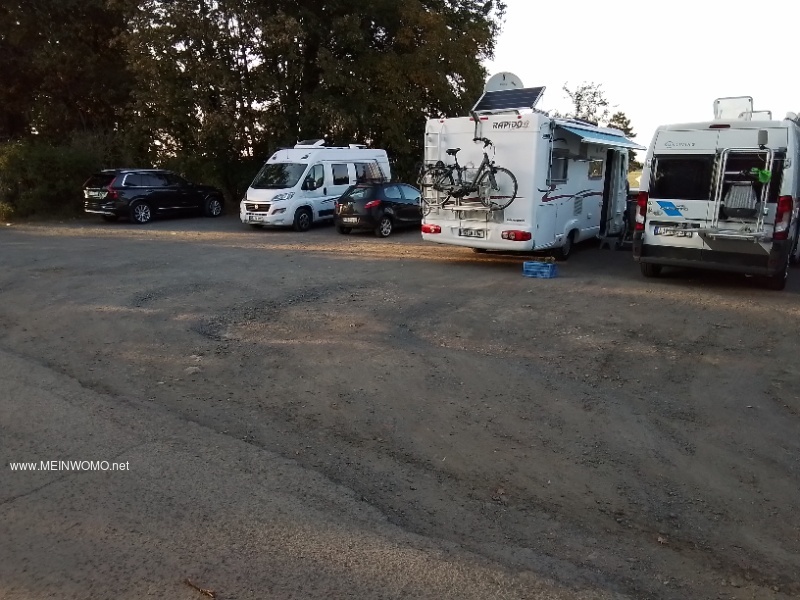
<point x="681" y="188"/>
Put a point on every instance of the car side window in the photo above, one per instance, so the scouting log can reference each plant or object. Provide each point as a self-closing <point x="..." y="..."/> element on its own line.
<point x="341" y="175"/>
<point x="411" y="194"/>
<point x="150" y="180"/>
<point x="173" y="180"/>
<point x="317" y="175"/>
<point x="392" y="192"/>
<point x="132" y="180"/>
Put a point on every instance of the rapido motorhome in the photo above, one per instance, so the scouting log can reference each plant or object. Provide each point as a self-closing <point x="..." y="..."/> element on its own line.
<point x="571" y="175"/>
<point x="298" y="186"/>
<point x="722" y="194"/>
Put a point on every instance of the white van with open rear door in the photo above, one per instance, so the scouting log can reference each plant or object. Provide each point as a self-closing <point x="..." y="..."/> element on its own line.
<point x="722" y="195"/>
<point x="299" y="186"/>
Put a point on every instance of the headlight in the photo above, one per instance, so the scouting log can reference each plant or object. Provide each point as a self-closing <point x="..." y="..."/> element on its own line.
<point x="285" y="196"/>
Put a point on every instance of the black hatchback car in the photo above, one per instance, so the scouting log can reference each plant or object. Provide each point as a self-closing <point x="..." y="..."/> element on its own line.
<point x="381" y="207"/>
<point x="141" y="194"/>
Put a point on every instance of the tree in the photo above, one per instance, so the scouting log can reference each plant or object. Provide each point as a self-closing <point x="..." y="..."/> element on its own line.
<point x="588" y="102"/>
<point x="620" y="121"/>
<point x="61" y="71"/>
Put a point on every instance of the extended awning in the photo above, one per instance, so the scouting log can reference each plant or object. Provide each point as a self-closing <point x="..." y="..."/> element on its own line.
<point x="603" y="139"/>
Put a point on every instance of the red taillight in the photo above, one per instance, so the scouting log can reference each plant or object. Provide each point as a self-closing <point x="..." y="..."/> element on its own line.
<point x="783" y="218"/>
<point x="515" y="235"/>
<point x="112" y="193"/>
<point x="428" y="228"/>
<point x="641" y="210"/>
<point x="372" y="204"/>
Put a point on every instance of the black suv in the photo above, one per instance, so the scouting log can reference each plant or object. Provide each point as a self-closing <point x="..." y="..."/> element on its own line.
<point x="141" y="194"/>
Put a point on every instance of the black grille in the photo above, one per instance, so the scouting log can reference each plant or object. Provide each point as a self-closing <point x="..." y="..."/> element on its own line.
<point x="256" y="206"/>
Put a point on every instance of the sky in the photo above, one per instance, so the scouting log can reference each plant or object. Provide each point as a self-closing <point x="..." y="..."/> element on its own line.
<point x="659" y="63"/>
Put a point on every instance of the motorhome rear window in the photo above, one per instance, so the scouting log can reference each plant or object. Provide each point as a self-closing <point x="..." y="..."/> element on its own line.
<point x="278" y="176"/>
<point x="682" y="178"/>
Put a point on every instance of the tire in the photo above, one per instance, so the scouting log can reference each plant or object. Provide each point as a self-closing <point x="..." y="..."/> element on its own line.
<point x="777" y="282"/>
<point x="435" y="185"/>
<point x="302" y="219"/>
<point x="110" y="218"/>
<point x="497" y="188"/>
<point x="256" y="226"/>
<point x="479" y="250"/>
<point x="650" y="270"/>
<point x="384" y="228"/>
<point x="565" y="251"/>
<point x="213" y="206"/>
<point x="141" y="213"/>
<point x="343" y="230"/>
<point x="793" y="258"/>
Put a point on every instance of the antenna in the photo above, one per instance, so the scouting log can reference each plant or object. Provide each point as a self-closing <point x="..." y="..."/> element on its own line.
<point x="503" y="81"/>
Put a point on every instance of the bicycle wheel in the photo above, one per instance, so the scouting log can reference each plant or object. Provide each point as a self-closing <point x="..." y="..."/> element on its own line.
<point x="435" y="184"/>
<point x="497" y="188"/>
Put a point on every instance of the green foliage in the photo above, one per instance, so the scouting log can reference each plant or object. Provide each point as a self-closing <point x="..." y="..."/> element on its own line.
<point x="621" y="121"/>
<point x="589" y="102"/>
<point x="40" y="178"/>
<point x="211" y="88"/>
<point x="6" y="211"/>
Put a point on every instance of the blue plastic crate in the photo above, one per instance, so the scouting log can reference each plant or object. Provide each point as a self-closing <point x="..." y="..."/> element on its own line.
<point x="540" y="270"/>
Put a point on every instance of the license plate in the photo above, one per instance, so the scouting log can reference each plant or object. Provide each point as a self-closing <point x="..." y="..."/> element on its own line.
<point x="96" y="194"/>
<point x="676" y="232"/>
<point x="473" y="233"/>
<point x="350" y="219"/>
<point x="258" y="218"/>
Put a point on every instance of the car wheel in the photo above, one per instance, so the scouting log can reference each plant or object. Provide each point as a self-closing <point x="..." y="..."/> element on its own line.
<point x="302" y="219"/>
<point x="110" y="218"/>
<point x="213" y="206"/>
<point x="384" y="228"/>
<point x="650" y="270"/>
<point x="141" y="213"/>
<point x="343" y="230"/>
<point x="479" y="250"/>
<point x="565" y="251"/>
<point x="794" y="260"/>
<point x="778" y="281"/>
<point x="256" y="226"/>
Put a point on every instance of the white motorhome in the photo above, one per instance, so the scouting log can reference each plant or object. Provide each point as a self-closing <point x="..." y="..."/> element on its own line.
<point x="571" y="177"/>
<point x="722" y="194"/>
<point x="299" y="186"/>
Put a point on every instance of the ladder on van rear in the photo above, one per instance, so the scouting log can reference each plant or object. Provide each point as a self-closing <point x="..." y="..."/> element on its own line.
<point x="739" y="206"/>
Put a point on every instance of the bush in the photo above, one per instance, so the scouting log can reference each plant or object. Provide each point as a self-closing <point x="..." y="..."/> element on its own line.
<point x="6" y="210"/>
<point x="38" y="178"/>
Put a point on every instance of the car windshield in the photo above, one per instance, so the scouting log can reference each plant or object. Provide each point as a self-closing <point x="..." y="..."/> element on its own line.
<point x="99" y="180"/>
<point x="360" y="192"/>
<point x="278" y="176"/>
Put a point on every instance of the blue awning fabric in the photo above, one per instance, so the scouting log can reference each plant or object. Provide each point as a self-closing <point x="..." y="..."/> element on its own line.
<point x="603" y="139"/>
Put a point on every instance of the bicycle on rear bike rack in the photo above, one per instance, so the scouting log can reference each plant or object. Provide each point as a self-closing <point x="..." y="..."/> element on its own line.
<point x="494" y="186"/>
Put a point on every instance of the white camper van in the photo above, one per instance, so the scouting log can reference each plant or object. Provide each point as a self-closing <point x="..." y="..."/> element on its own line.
<point x="299" y="186"/>
<point x="570" y="177"/>
<point x="722" y="194"/>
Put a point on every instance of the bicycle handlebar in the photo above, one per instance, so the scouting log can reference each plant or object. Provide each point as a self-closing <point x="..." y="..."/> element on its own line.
<point x="486" y="141"/>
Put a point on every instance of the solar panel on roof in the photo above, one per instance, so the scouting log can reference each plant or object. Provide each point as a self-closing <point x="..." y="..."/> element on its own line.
<point x="513" y="99"/>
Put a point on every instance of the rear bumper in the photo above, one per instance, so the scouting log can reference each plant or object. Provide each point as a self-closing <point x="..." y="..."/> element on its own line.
<point x="361" y="221"/>
<point x="119" y="209"/>
<point x="735" y="262"/>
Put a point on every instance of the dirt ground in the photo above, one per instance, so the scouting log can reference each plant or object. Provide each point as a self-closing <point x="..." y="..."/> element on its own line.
<point x="317" y="415"/>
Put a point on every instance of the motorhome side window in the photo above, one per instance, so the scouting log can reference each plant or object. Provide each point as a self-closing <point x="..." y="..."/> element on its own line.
<point x="362" y="170"/>
<point x="596" y="168"/>
<point x="340" y="175"/>
<point x="682" y="177"/>
<point x="558" y="168"/>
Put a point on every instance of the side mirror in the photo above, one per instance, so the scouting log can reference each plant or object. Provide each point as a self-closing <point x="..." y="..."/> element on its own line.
<point x="763" y="137"/>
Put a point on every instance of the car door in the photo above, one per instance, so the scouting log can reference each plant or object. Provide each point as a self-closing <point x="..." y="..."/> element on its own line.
<point x="157" y="191"/>
<point x="314" y="192"/>
<point x="412" y="212"/>
<point x="186" y="195"/>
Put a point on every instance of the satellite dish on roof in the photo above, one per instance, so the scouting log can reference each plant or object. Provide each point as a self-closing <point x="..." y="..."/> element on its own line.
<point x="503" y="81"/>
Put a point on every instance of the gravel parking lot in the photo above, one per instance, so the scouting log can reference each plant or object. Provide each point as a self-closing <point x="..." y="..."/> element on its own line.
<point x="317" y="415"/>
